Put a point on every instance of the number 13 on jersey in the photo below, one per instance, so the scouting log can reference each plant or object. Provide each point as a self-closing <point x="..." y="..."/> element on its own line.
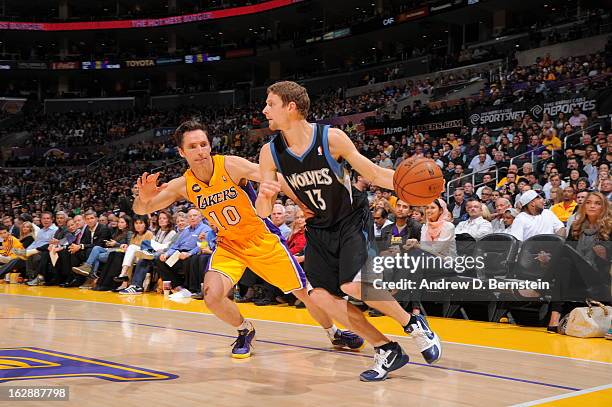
<point x="316" y="199"/>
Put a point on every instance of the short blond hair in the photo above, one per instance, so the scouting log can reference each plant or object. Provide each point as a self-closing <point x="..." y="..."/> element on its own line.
<point x="290" y="91"/>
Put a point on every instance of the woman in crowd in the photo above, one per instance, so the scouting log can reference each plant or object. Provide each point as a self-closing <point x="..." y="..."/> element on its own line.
<point x="113" y="266"/>
<point x="574" y="176"/>
<point x="297" y="239"/>
<point x="438" y="233"/>
<point x="589" y="235"/>
<point x="164" y="237"/>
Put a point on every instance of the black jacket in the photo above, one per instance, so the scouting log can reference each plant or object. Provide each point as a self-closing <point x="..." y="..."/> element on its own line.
<point x="100" y="234"/>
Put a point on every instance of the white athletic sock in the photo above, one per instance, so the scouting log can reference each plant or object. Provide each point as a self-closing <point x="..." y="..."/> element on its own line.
<point x="246" y="324"/>
<point x="331" y="331"/>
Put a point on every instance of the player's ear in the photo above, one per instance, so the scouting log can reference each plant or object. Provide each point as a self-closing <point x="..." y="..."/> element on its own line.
<point x="181" y="153"/>
<point x="291" y="106"/>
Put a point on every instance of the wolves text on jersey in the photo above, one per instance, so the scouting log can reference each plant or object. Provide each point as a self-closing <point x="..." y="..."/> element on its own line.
<point x="310" y="178"/>
<point x="205" y="201"/>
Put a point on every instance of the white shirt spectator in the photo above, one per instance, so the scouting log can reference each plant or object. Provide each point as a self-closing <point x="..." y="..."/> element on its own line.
<point x="526" y="225"/>
<point x="476" y="165"/>
<point x="476" y="228"/>
<point x="576" y="120"/>
<point x="497" y="226"/>
<point x="548" y="186"/>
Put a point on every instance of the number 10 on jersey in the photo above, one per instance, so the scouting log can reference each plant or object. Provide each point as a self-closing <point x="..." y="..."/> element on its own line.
<point x="231" y="215"/>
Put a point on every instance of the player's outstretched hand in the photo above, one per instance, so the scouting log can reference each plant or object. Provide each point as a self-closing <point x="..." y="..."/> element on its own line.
<point x="147" y="186"/>
<point x="268" y="189"/>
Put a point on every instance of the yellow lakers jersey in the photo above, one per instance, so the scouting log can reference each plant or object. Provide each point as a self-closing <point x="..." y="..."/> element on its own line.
<point x="225" y="204"/>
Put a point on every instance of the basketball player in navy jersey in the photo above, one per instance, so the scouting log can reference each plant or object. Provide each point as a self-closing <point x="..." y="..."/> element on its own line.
<point x="311" y="159"/>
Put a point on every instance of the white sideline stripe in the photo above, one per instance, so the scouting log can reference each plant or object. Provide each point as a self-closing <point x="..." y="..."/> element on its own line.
<point x="564" y="396"/>
<point x="310" y="326"/>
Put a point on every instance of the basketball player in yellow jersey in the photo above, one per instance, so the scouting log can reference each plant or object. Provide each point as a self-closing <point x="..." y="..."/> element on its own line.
<point x="218" y="186"/>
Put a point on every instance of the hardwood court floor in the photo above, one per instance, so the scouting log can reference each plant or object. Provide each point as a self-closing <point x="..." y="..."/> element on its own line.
<point x="483" y="364"/>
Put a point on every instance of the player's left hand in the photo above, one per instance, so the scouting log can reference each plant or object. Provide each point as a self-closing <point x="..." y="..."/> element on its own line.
<point x="268" y="189"/>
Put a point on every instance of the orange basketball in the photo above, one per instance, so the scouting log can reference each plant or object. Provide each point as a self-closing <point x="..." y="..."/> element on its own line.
<point x="418" y="181"/>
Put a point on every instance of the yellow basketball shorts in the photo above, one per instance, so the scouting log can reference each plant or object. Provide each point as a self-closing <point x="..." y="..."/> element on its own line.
<point x="266" y="256"/>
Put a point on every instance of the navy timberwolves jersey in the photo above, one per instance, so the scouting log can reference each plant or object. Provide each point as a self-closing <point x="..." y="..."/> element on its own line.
<point x="316" y="178"/>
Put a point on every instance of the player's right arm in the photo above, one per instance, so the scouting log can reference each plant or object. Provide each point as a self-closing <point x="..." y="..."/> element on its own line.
<point x="152" y="197"/>
<point x="269" y="186"/>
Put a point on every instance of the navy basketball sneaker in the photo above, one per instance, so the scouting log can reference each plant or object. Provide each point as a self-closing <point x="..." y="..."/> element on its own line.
<point x="426" y="340"/>
<point x="347" y="339"/>
<point x="387" y="358"/>
<point x="243" y="345"/>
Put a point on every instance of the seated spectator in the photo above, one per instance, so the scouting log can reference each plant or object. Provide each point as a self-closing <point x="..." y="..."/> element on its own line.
<point x="591" y="232"/>
<point x="404" y="228"/>
<point x="12" y="228"/>
<point x="457" y="206"/>
<point x="186" y="245"/>
<point x="18" y="264"/>
<point x="564" y="209"/>
<point x="164" y="233"/>
<point x="577" y="118"/>
<point x="9" y="242"/>
<point x="144" y="266"/>
<point x="99" y="254"/>
<point x="198" y="264"/>
<point x="297" y="239"/>
<point x="534" y="219"/>
<point x="501" y="206"/>
<point x="508" y="219"/>
<point x="381" y="220"/>
<point x="438" y="233"/>
<point x="33" y="251"/>
<point x="92" y="235"/>
<point x="116" y="262"/>
<point x="476" y="226"/>
<point x="418" y="214"/>
<point x="278" y="219"/>
<point x="551" y="141"/>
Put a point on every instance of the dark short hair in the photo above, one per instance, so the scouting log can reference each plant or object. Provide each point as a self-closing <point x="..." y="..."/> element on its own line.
<point x="189" y="125"/>
<point x="383" y="213"/>
<point x="2" y="227"/>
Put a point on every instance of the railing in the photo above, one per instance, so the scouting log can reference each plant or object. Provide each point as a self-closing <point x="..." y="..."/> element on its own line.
<point x="532" y="153"/>
<point x="578" y="133"/>
<point x="488" y="170"/>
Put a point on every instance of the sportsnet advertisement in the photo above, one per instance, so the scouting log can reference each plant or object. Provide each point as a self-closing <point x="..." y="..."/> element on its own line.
<point x="594" y="100"/>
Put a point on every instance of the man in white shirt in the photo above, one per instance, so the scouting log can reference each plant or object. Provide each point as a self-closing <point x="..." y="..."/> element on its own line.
<point x="476" y="226"/>
<point x="554" y="181"/>
<point x="481" y="162"/>
<point x="534" y="219"/>
<point x="279" y="218"/>
<point x="576" y="119"/>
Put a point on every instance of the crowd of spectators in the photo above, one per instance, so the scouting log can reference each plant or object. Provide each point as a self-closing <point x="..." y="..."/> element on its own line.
<point x="522" y="181"/>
